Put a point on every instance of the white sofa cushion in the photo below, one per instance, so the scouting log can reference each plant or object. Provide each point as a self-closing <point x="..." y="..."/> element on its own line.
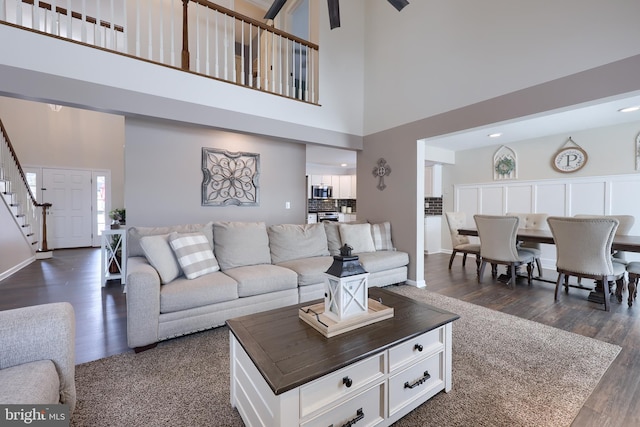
<point x="238" y="244"/>
<point x="358" y="236"/>
<point x="374" y="262"/>
<point x="194" y="254"/>
<point x="262" y="279"/>
<point x="310" y="271"/>
<point x="160" y="255"/>
<point x="31" y="383"/>
<point x="294" y="241"/>
<point x="184" y="294"/>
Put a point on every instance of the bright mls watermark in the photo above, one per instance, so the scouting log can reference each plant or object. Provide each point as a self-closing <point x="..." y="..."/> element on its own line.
<point x="34" y="415"/>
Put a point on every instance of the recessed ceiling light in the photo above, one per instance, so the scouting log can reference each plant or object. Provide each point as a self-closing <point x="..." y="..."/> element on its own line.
<point x="494" y="135"/>
<point x="629" y="109"/>
<point x="344" y="165"/>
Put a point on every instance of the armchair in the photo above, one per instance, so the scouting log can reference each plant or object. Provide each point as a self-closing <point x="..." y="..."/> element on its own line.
<point x="37" y="355"/>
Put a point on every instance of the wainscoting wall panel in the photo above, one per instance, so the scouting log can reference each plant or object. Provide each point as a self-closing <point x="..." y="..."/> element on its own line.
<point x="609" y="195"/>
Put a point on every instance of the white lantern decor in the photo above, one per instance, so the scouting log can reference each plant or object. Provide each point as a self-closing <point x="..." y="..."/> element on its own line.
<point x="346" y="294"/>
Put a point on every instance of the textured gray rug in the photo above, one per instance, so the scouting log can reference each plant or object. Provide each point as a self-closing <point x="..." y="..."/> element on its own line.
<point x="506" y="372"/>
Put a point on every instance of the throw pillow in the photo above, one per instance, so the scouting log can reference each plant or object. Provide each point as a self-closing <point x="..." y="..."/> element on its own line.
<point x="333" y="237"/>
<point x="295" y="241"/>
<point x="381" y="234"/>
<point x="238" y="244"/>
<point x="194" y="254"/>
<point x="160" y="256"/>
<point x="358" y="236"/>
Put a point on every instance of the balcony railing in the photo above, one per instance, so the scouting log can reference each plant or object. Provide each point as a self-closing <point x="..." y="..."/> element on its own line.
<point x="193" y="35"/>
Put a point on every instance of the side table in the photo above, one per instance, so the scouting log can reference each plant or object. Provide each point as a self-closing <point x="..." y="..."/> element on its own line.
<point x="113" y="242"/>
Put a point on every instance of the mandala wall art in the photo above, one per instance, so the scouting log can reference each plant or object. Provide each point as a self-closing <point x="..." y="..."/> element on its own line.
<point x="230" y="178"/>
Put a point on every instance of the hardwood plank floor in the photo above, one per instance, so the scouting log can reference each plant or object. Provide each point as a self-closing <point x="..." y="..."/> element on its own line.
<point x="74" y="276"/>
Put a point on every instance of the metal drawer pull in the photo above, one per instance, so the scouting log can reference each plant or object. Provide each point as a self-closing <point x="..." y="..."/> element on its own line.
<point x="347" y="381"/>
<point x="416" y="383"/>
<point x="359" y="416"/>
<point x="418" y="347"/>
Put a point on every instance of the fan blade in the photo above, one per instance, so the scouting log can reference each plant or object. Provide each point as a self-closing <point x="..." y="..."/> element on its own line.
<point x="398" y="4"/>
<point x="274" y="9"/>
<point x="334" y="13"/>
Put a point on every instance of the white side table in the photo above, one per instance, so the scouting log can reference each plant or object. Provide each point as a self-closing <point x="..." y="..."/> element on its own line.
<point x="114" y="241"/>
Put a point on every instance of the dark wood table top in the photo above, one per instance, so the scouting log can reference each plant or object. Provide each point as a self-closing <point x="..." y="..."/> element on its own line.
<point x="620" y="243"/>
<point x="289" y="353"/>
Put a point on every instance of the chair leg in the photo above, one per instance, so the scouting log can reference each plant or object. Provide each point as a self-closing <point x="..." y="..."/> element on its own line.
<point x="620" y="288"/>
<point x="512" y="276"/>
<point x="539" y="264"/>
<point x="453" y="256"/>
<point x="558" y="282"/>
<point x="494" y="270"/>
<point x="606" y="296"/>
<point x="483" y="264"/>
<point x="464" y="259"/>
<point x="478" y="260"/>
<point x="529" y="272"/>
<point x="633" y="281"/>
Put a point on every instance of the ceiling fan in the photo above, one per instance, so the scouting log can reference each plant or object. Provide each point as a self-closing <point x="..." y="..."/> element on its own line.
<point x="334" y="10"/>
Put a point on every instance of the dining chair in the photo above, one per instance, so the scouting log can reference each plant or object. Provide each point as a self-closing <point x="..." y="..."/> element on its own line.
<point x="583" y="250"/>
<point x="498" y="246"/>
<point x="460" y="243"/>
<point x="633" y="270"/>
<point x="532" y="221"/>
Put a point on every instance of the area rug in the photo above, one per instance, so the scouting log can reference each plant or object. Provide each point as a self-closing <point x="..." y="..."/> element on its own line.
<point x="507" y="371"/>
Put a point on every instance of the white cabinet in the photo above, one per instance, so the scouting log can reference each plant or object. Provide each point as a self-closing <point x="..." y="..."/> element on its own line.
<point x="344" y="186"/>
<point x="433" y="181"/>
<point x="378" y="390"/>
<point x="113" y="255"/>
<point x="432" y="234"/>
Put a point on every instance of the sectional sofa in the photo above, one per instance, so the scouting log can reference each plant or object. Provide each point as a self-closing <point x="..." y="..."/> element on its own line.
<point x="187" y="278"/>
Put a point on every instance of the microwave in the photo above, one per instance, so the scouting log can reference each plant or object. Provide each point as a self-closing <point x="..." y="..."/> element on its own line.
<point x="321" y="191"/>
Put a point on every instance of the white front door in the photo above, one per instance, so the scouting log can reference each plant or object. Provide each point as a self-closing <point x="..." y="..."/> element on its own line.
<point x="69" y="223"/>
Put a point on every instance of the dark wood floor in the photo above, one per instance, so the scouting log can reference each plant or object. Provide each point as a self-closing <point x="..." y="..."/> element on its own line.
<point x="73" y="276"/>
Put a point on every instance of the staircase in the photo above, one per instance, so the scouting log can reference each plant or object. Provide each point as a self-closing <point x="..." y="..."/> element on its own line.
<point x="16" y="195"/>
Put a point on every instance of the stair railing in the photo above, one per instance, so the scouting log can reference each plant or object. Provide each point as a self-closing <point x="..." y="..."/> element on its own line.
<point x="22" y="201"/>
<point x="193" y="35"/>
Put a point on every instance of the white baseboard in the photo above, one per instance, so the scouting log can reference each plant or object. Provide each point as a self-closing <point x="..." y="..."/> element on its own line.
<point x="417" y="284"/>
<point x="16" y="268"/>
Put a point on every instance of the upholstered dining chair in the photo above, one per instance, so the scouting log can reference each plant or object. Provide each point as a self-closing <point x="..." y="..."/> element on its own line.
<point x="498" y="245"/>
<point x="583" y="248"/>
<point x="462" y="244"/>
<point x="532" y="221"/>
<point x="624" y="228"/>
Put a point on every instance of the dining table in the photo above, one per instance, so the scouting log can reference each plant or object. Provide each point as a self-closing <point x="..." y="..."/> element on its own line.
<point x="627" y="243"/>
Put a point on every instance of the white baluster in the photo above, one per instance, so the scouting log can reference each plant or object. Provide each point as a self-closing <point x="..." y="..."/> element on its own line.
<point x="125" y="27"/>
<point x="149" y="21"/>
<point x="113" y="26"/>
<point x="250" y="56"/>
<point x="83" y="28"/>
<point x="161" y="35"/>
<point x="173" y="47"/>
<point x="97" y="36"/>
<point x="138" y="29"/>
<point x="226" y="47"/>
<point x="258" y="65"/>
<point x="3" y="10"/>
<point x="69" y="20"/>
<point x="18" y="13"/>
<point x="35" y="15"/>
<point x="233" y="65"/>
<point x="242" y="58"/>
<point x="206" y="54"/>
<point x="217" y="44"/>
<point x="273" y="58"/>
<point x="197" y="37"/>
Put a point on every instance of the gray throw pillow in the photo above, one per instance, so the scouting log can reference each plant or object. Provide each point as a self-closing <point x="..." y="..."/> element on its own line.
<point x="241" y="243"/>
<point x="160" y="255"/>
<point x="295" y="241"/>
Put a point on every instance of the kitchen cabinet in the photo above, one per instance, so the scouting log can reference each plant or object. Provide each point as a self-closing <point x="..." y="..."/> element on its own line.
<point x="433" y="181"/>
<point x="432" y="234"/>
<point x="344" y="186"/>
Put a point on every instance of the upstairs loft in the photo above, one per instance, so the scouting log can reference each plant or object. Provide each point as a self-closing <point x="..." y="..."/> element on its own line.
<point x="195" y="36"/>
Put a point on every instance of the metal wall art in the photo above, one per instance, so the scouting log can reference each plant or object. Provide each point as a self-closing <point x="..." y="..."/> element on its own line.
<point x="505" y="164"/>
<point x="230" y="178"/>
<point x="381" y="170"/>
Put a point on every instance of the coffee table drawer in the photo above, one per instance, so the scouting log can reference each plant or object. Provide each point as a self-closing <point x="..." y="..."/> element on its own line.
<point x="341" y="383"/>
<point x="416" y="348"/>
<point x="425" y="377"/>
<point x="364" y="409"/>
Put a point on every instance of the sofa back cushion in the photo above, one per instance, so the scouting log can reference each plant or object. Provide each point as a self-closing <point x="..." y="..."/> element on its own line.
<point x="358" y="236"/>
<point x="136" y="233"/>
<point x="295" y="241"/>
<point x="241" y="243"/>
<point x="158" y="252"/>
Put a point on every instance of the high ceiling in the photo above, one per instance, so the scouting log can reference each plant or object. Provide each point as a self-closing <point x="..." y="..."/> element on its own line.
<point x="562" y="122"/>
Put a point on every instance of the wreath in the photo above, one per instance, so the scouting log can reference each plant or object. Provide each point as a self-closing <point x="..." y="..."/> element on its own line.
<point x="505" y="166"/>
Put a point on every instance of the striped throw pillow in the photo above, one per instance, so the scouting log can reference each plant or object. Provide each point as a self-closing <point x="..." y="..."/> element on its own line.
<point x="194" y="254"/>
<point x="381" y="234"/>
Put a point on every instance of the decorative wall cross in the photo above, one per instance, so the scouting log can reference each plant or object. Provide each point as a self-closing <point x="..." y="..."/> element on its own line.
<point x="381" y="170"/>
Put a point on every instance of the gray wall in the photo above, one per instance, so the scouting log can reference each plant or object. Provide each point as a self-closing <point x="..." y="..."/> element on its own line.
<point x="162" y="167"/>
